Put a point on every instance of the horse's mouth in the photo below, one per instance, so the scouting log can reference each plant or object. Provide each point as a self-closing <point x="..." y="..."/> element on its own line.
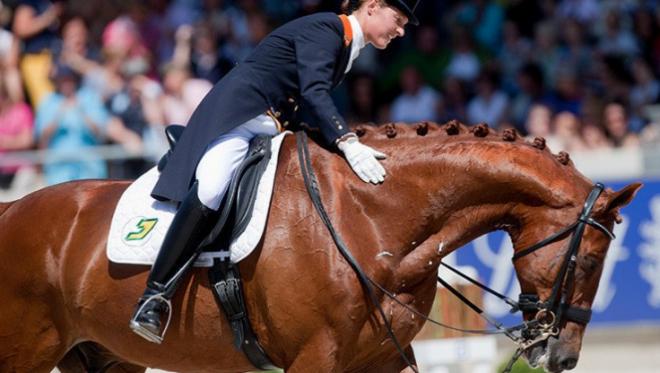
<point x="546" y="356"/>
<point x="537" y="356"/>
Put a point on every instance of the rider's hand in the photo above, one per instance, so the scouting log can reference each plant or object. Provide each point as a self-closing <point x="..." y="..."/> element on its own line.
<point x="363" y="160"/>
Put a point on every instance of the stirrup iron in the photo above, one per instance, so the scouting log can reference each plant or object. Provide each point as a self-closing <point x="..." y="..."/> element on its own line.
<point x="146" y="333"/>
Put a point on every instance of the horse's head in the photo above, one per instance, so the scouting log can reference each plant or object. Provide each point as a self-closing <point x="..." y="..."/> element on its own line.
<point x="559" y="255"/>
<point x="466" y="181"/>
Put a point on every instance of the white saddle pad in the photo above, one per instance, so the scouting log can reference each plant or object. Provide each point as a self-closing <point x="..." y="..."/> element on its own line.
<point x="140" y="222"/>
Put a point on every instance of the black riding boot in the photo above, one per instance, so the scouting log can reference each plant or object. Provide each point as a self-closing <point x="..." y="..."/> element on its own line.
<point x="192" y="222"/>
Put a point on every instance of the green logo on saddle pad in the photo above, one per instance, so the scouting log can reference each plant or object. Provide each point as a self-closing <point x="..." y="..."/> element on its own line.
<point x="144" y="227"/>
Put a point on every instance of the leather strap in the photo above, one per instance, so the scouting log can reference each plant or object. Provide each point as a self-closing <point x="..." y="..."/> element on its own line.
<point x="348" y="30"/>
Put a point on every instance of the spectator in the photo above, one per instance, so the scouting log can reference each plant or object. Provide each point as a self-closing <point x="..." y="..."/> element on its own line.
<point x="568" y="132"/>
<point x="362" y="100"/>
<point x="182" y="94"/>
<point x="645" y="91"/>
<point x="67" y="121"/>
<point x="74" y="49"/>
<point x="547" y="53"/>
<point x="618" y="127"/>
<point x="463" y="63"/>
<point x="616" y="39"/>
<point x="512" y="56"/>
<point x="35" y="24"/>
<point x="427" y="56"/>
<point x="197" y="49"/>
<point x="575" y="54"/>
<point x="584" y="11"/>
<point x="240" y="41"/>
<point x="567" y="94"/>
<point x="595" y="138"/>
<point x="107" y="78"/>
<point x="121" y="37"/>
<point x="16" y="131"/>
<point x="418" y="102"/>
<point x="9" y="56"/>
<point x="531" y="91"/>
<point x="485" y="19"/>
<point x="647" y="34"/>
<point x="490" y="104"/>
<point x="136" y="114"/>
<point x="539" y="124"/>
<point x="454" y="101"/>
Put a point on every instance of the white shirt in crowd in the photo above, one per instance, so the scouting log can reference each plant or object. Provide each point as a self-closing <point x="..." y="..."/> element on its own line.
<point x="415" y="108"/>
<point x="489" y="111"/>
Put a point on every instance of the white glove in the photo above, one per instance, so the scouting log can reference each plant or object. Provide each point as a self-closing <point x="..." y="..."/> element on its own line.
<point x="363" y="160"/>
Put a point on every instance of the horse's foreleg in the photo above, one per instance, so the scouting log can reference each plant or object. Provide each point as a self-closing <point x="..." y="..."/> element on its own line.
<point x="91" y="357"/>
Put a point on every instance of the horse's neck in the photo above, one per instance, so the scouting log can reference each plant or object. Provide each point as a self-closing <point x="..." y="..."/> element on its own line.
<point x="438" y="197"/>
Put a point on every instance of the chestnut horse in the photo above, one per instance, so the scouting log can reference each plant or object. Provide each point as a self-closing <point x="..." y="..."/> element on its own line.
<point x="64" y="304"/>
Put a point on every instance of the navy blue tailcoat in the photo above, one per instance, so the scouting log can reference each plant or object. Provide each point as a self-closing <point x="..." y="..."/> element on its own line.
<point x="297" y="64"/>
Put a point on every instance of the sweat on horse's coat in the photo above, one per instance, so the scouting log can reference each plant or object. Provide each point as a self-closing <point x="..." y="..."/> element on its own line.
<point x="305" y="304"/>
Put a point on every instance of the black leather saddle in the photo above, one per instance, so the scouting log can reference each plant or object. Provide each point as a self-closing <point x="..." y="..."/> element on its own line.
<point x="235" y="213"/>
<point x="238" y="203"/>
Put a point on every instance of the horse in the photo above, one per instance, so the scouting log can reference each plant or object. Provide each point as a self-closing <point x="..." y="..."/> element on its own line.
<point x="66" y="305"/>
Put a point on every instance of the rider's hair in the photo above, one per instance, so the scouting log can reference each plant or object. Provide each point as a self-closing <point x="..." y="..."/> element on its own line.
<point x="349" y="6"/>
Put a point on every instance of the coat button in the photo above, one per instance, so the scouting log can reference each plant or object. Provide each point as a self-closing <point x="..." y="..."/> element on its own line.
<point x="295" y="108"/>
<point x="286" y="123"/>
<point x="340" y="127"/>
<point x="278" y="114"/>
<point x="291" y="100"/>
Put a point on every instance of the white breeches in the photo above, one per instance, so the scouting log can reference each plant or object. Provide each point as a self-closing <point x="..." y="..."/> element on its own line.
<point x="223" y="156"/>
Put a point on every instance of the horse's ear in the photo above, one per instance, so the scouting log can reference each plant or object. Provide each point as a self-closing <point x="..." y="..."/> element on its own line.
<point x="622" y="198"/>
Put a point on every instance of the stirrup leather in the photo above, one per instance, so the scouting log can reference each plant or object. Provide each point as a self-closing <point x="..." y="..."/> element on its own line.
<point x="146" y="333"/>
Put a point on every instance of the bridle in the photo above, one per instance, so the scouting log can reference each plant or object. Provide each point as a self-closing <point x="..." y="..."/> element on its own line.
<point x="549" y="313"/>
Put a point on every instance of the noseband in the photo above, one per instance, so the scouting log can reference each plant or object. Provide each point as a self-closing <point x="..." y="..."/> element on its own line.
<point x="551" y="312"/>
<point x="548" y="314"/>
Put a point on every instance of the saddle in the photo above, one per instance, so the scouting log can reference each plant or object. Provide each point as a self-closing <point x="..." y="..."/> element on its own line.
<point x="235" y="213"/>
<point x="238" y="203"/>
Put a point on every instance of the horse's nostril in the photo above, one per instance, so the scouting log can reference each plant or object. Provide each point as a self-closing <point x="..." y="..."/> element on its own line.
<point x="568" y="363"/>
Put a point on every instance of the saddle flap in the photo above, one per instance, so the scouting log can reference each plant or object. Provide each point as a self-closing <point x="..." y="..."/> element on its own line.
<point x="238" y="204"/>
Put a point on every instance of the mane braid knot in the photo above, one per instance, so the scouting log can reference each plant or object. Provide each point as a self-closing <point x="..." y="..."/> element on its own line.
<point x="422" y="128"/>
<point x="390" y="130"/>
<point x="480" y="130"/>
<point x="539" y="143"/>
<point x="509" y="134"/>
<point x="452" y="127"/>
<point x="563" y="158"/>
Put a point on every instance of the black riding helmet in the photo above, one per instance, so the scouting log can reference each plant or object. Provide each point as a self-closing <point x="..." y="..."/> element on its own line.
<point x="407" y="7"/>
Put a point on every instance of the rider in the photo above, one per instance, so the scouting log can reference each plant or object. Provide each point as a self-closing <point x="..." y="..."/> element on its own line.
<point x="297" y="64"/>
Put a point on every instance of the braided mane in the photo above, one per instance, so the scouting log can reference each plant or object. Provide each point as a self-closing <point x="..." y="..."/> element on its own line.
<point x="453" y="130"/>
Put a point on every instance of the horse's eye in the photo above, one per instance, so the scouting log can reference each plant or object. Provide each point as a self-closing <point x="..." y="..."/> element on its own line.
<point x="589" y="264"/>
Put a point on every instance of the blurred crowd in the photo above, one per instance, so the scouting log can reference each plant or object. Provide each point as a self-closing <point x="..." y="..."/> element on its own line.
<point x="75" y="74"/>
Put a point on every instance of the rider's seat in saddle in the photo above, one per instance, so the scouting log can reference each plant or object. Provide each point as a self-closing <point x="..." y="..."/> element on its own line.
<point x="235" y="213"/>
<point x="238" y="203"/>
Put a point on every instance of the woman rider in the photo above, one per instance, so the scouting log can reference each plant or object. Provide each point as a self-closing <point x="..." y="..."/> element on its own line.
<point x="297" y="64"/>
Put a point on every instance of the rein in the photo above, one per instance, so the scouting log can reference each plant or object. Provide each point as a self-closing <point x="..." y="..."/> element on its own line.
<point x="311" y="183"/>
<point x="549" y="314"/>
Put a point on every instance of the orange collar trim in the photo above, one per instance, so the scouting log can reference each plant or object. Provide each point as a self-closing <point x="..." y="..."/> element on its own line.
<point x="348" y="30"/>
